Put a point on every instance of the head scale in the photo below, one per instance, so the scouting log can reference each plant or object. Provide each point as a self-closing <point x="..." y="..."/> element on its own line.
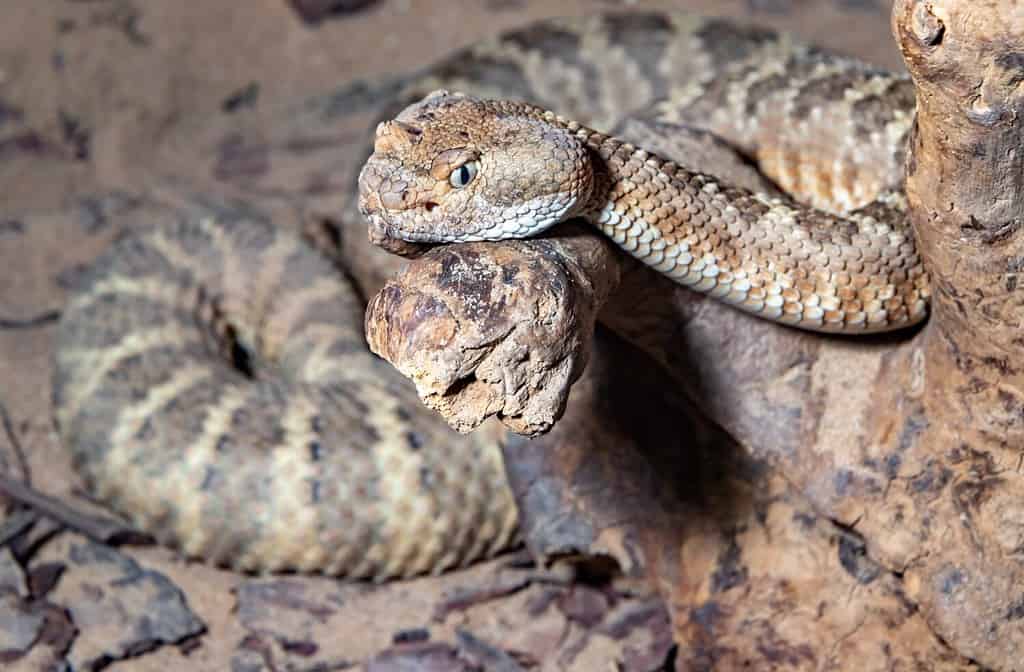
<point x="453" y="168"/>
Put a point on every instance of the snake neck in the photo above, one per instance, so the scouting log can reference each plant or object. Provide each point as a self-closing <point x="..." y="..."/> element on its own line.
<point x="776" y="259"/>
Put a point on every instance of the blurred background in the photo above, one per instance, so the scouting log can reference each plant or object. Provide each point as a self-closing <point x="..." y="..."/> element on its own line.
<point x="228" y="96"/>
<point x="102" y="82"/>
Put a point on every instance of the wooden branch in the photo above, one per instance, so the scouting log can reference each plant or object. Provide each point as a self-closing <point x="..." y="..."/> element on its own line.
<point x="913" y="440"/>
<point x="486" y="330"/>
<point x="965" y="184"/>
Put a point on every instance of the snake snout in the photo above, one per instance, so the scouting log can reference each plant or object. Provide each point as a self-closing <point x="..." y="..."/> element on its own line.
<point x="382" y="189"/>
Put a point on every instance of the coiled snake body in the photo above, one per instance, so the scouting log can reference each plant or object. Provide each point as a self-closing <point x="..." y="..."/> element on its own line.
<point x="211" y="377"/>
<point x="453" y="168"/>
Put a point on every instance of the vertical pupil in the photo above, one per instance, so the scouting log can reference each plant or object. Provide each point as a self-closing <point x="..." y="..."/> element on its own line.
<point x="463" y="175"/>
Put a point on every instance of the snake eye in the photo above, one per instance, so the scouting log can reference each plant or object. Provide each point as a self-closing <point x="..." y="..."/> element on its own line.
<point x="464" y="174"/>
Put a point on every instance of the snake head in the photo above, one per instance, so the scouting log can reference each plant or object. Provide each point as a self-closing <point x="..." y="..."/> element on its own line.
<point x="453" y="168"/>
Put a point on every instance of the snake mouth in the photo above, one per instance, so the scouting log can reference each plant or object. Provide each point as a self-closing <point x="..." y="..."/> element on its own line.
<point x="386" y="233"/>
<point x="389" y="237"/>
<point x="392" y="223"/>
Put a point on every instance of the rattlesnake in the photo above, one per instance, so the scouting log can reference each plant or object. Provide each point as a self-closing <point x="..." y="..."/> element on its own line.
<point x="211" y="378"/>
<point x="454" y="168"/>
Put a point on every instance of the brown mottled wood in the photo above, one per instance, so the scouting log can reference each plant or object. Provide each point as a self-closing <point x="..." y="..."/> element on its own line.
<point x="894" y="461"/>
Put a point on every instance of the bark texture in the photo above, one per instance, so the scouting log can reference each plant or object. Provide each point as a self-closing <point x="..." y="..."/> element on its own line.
<point x="964" y="183"/>
<point x="873" y="485"/>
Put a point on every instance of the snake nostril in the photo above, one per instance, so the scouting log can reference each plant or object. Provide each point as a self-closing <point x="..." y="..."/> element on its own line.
<point x="429" y="206"/>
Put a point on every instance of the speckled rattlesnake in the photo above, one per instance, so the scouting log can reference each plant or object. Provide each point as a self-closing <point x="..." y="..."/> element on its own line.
<point x="212" y="381"/>
<point x="454" y="168"/>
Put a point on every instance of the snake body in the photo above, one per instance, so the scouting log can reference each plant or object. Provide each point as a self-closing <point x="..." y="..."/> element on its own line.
<point x="213" y="383"/>
<point x="455" y="168"/>
<point x="211" y="377"/>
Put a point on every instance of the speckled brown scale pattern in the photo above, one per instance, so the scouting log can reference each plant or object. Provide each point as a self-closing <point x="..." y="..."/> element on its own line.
<point x="212" y="379"/>
<point x="774" y="258"/>
<point x="294" y="454"/>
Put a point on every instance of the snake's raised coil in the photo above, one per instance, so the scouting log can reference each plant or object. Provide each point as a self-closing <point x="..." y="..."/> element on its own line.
<point x="211" y="377"/>
<point x="454" y="168"/>
<point x="213" y="383"/>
